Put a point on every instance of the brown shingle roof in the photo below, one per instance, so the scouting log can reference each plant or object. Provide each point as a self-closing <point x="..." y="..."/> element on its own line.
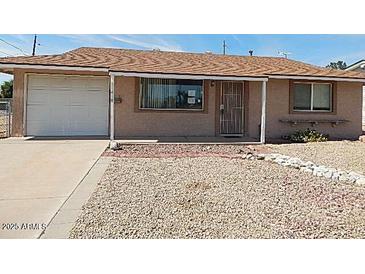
<point x="127" y="60"/>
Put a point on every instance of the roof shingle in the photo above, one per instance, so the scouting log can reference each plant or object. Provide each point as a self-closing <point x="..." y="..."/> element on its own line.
<point x="127" y="60"/>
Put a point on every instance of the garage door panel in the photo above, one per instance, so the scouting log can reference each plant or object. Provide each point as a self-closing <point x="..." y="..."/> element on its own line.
<point x="98" y="114"/>
<point x="59" y="115"/>
<point x="97" y="85"/>
<point x="60" y="83"/>
<point x="59" y="98"/>
<point x="38" y="128"/>
<point x="79" y="99"/>
<point x="85" y="99"/>
<point x="34" y="110"/>
<point x="98" y="96"/>
<point x="37" y="97"/>
<point x="80" y="113"/>
<point x="54" y="129"/>
<point x="64" y="106"/>
<point x="80" y="83"/>
<point x="39" y="82"/>
<point x="86" y="128"/>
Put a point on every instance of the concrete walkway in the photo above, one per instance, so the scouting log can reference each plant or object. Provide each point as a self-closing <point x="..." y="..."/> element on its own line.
<point x="61" y="225"/>
<point x="37" y="177"/>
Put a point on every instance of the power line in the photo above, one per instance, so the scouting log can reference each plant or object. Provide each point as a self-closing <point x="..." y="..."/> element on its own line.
<point x="6" y="53"/>
<point x="13" y="46"/>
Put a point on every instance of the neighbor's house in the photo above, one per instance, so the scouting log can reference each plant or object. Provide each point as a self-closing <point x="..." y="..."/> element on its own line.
<point x="133" y="93"/>
<point x="360" y="66"/>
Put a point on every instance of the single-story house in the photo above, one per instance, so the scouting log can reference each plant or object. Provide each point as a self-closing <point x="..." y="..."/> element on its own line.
<point x="134" y="93"/>
<point x="360" y="66"/>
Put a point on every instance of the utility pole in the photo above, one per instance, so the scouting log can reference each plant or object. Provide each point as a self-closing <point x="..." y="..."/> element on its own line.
<point x="224" y="47"/>
<point x="34" y="44"/>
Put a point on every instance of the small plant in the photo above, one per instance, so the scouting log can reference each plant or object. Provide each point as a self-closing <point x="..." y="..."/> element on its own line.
<point x="306" y="136"/>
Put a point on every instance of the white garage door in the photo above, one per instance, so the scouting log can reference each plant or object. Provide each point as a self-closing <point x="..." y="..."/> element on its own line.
<point x="67" y="106"/>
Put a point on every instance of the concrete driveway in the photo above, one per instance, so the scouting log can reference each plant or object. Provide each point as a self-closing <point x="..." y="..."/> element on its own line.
<point x="36" y="178"/>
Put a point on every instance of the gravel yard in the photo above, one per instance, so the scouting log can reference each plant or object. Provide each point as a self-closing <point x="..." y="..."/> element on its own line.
<point x="215" y="197"/>
<point x="173" y="150"/>
<point x="346" y="155"/>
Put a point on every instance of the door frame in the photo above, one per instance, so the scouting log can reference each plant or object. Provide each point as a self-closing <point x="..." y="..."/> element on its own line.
<point x="243" y="110"/>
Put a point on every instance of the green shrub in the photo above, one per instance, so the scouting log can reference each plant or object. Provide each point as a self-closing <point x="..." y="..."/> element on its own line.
<point x="306" y="136"/>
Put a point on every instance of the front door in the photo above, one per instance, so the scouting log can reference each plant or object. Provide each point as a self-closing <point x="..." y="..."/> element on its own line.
<point x="231" y="109"/>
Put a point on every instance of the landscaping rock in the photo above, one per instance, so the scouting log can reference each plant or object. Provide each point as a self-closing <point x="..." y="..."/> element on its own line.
<point x="360" y="181"/>
<point x="113" y="145"/>
<point x="306" y="169"/>
<point x="335" y="176"/>
<point x="260" y="157"/>
<point x="328" y="174"/>
<point x="310" y="167"/>
<point x="343" y="155"/>
<point x="343" y="177"/>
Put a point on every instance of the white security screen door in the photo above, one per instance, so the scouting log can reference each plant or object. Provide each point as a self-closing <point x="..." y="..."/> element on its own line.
<point x="231" y="109"/>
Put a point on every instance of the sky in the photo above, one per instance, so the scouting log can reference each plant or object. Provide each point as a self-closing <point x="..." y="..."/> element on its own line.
<point x="314" y="49"/>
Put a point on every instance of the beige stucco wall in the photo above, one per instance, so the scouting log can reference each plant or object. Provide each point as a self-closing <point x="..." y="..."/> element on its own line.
<point x="349" y="105"/>
<point x="254" y="109"/>
<point x="129" y="122"/>
<point x="363" y="98"/>
<point x="18" y="104"/>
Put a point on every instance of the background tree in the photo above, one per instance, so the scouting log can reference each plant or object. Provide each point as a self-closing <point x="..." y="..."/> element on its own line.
<point x="337" y="65"/>
<point x="6" y="89"/>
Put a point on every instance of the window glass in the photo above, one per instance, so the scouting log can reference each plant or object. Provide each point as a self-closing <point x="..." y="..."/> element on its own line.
<point x="302" y="96"/>
<point x="171" y="94"/>
<point x="321" y="96"/>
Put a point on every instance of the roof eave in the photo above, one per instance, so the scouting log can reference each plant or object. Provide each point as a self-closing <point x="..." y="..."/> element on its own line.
<point x="9" y="66"/>
<point x="53" y="67"/>
<point x="318" y="78"/>
<point x="189" y="76"/>
<point x="355" y="65"/>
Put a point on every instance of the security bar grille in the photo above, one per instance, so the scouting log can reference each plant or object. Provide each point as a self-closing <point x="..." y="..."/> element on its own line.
<point x="231" y="108"/>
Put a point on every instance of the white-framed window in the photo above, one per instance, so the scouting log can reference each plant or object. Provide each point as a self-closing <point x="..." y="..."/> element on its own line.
<point x="315" y="97"/>
<point x="171" y="94"/>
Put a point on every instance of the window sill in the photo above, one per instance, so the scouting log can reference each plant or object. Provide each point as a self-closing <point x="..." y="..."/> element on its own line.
<point x="171" y="110"/>
<point x="313" y="122"/>
<point x="311" y="112"/>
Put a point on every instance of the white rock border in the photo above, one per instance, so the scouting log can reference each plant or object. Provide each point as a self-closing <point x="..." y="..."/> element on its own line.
<point x="308" y="166"/>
